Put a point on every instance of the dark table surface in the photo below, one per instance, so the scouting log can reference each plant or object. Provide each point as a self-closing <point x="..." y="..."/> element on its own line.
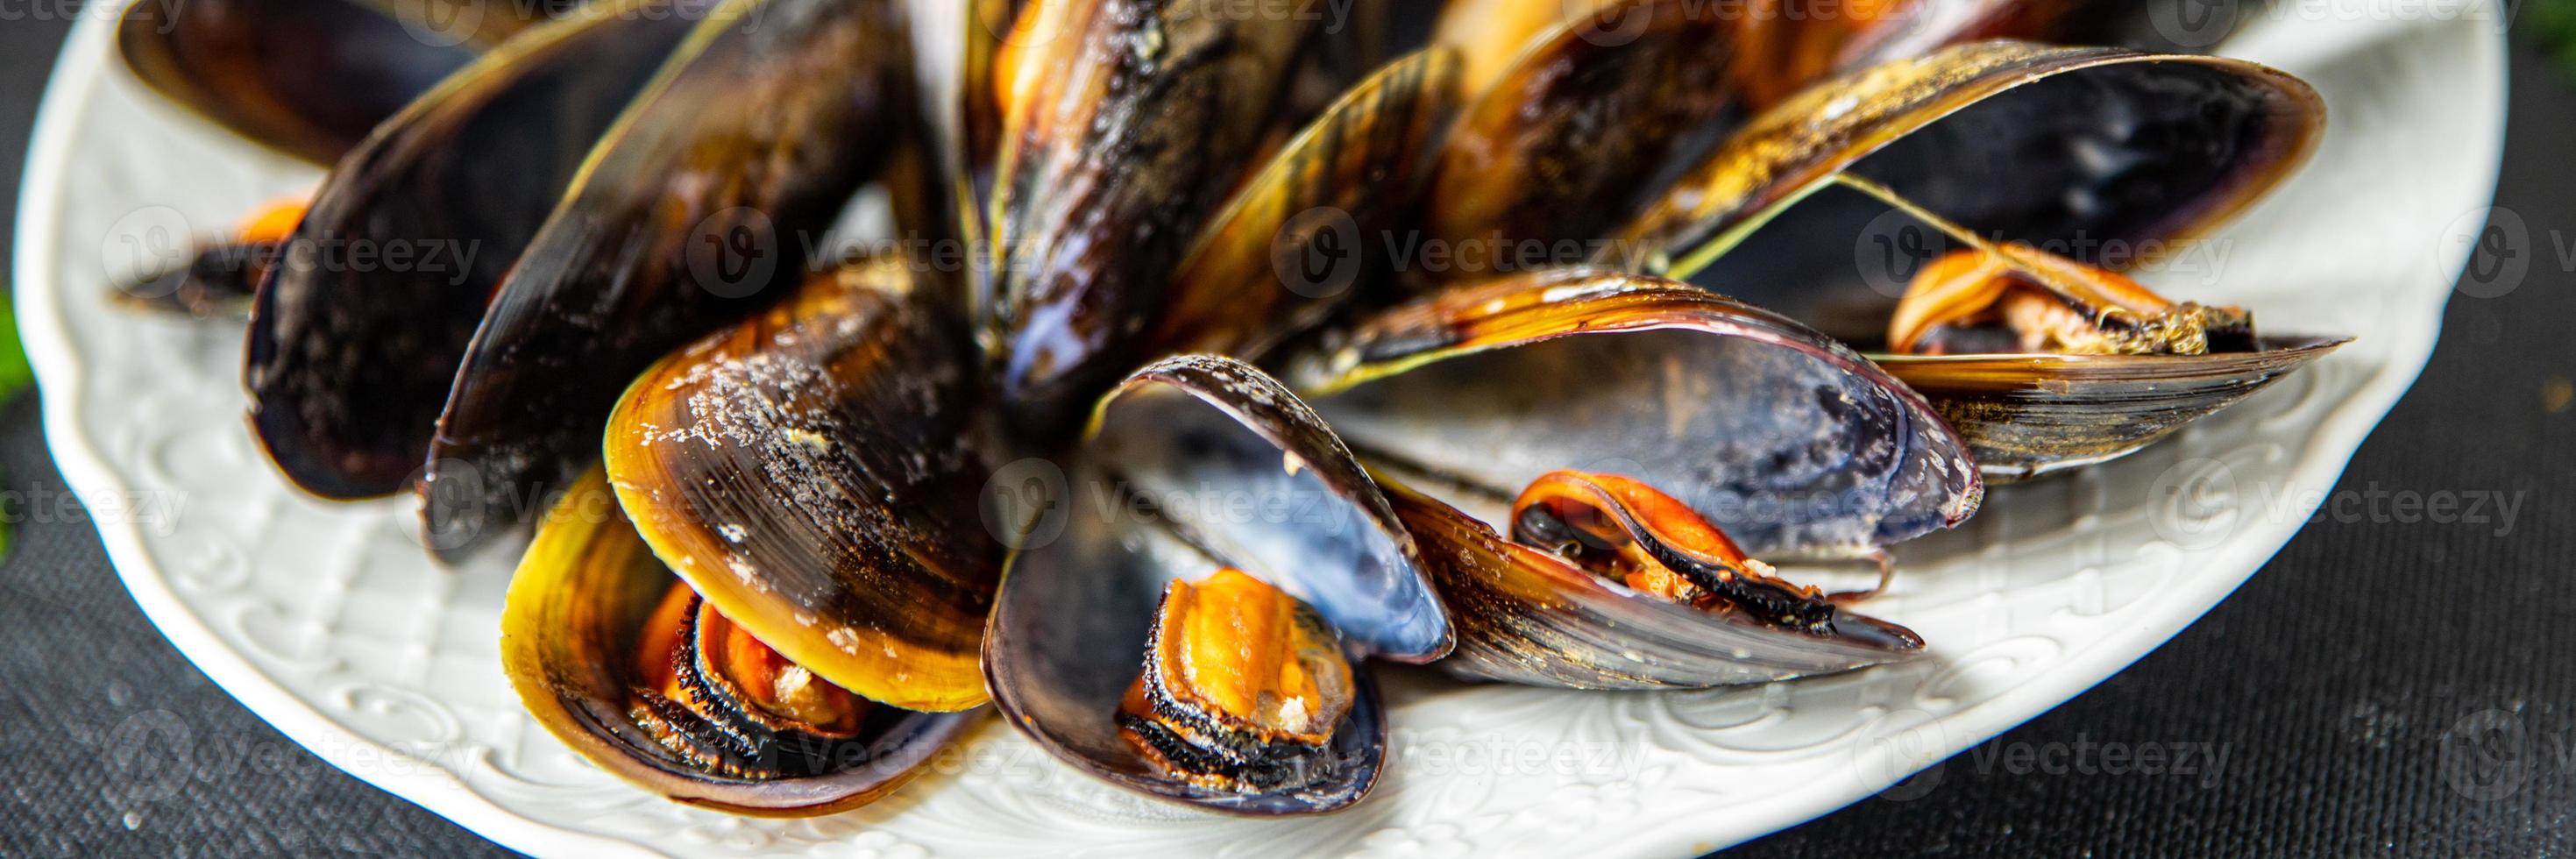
<point x="2387" y="684"/>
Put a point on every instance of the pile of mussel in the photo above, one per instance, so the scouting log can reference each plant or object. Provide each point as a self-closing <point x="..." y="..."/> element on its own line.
<point x="1150" y="368"/>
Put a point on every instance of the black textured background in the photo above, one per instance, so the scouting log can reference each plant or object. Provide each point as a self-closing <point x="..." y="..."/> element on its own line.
<point x="2380" y="688"/>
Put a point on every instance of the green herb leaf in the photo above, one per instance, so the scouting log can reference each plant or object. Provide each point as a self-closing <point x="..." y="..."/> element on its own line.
<point x="15" y="375"/>
<point x="2553" y="22"/>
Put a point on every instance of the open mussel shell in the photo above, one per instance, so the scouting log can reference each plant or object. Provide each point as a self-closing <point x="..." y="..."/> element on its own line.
<point x="1127" y="125"/>
<point x="1789" y="442"/>
<point x="1193" y="464"/>
<point x="2017" y="141"/>
<point x="2026" y="415"/>
<point x="809" y="471"/>
<point x="570" y="634"/>
<point x="1782" y="437"/>
<point x="1526" y="616"/>
<point x="2081" y="152"/>
<point x="706" y="199"/>
<point x="348" y="363"/>
<point x="308" y="78"/>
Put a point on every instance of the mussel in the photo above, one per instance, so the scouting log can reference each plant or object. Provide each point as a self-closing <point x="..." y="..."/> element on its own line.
<point x="1490" y="36"/>
<point x="222" y="274"/>
<point x="1143" y="204"/>
<point x="1576" y="134"/>
<point x="1789" y="44"/>
<point x="1242" y="689"/>
<point x="1704" y="414"/>
<point x="814" y="469"/>
<point x="1291" y="246"/>
<point x="626" y="664"/>
<point x="707" y="199"/>
<point x="347" y="364"/>
<point x="1188" y="617"/>
<point x="2041" y="154"/>
<point x="806" y="475"/>
<point x="307" y="78"/>
<point x="2021" y="349"/>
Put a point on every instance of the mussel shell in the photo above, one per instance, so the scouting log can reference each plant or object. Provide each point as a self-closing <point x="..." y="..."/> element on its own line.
<point x="1135" y="122"/>
<point x="308" y="78"/>
<point x="1790" y="44"/>
<point x="1923" y="26"/>
<point x="569" y="635"/>
<point x="1788" y="441"/>
<point x="954" y="49"/>
<point x="2027" y="415"/>
<point x="2018" y="141"/>
<point x="1252" y="279"/>
<point x="701" y="204"/>
<point x="1572" y="139"/>
<point x="1525" y="616"/>
<point x="1492" y="35"/>
<point x="2076" y="151"/>
<point x="347" y="364"/>
<point x="1271" y="492"/>
<point x="808" y="471"/>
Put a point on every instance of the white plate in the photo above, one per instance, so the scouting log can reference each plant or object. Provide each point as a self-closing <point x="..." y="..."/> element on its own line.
<point x="331" y="624"/>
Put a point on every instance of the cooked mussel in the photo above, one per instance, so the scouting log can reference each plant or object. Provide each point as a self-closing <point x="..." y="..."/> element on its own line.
<point x="1572" y="138"/>
<point x="1188" y="617"/>
<point x="705" y="201"/>
<point x="1625" y="531"/>
<point x="2016" y="152"/>
<point x="2005" y="298"/>
<point x="2020" y="142"/>
<point x="1292" y="245"/>
<point x="1705" y="413"/>
<point x="1604" y="582"/>
<point x="308" y="78"/>
<point x="347" y="364"/>
<point x="2021" y="349"/>
<point x="1790" y="44"/>
<point x="1490" y="36"/>
<point x="1242" y="688"/>
<point x="812" y="469"/>
<point x="1910" y="28"/>
<point x="654" y="683"/>
<point x="221" y="275"/>
<point x="1126" y="125"/>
